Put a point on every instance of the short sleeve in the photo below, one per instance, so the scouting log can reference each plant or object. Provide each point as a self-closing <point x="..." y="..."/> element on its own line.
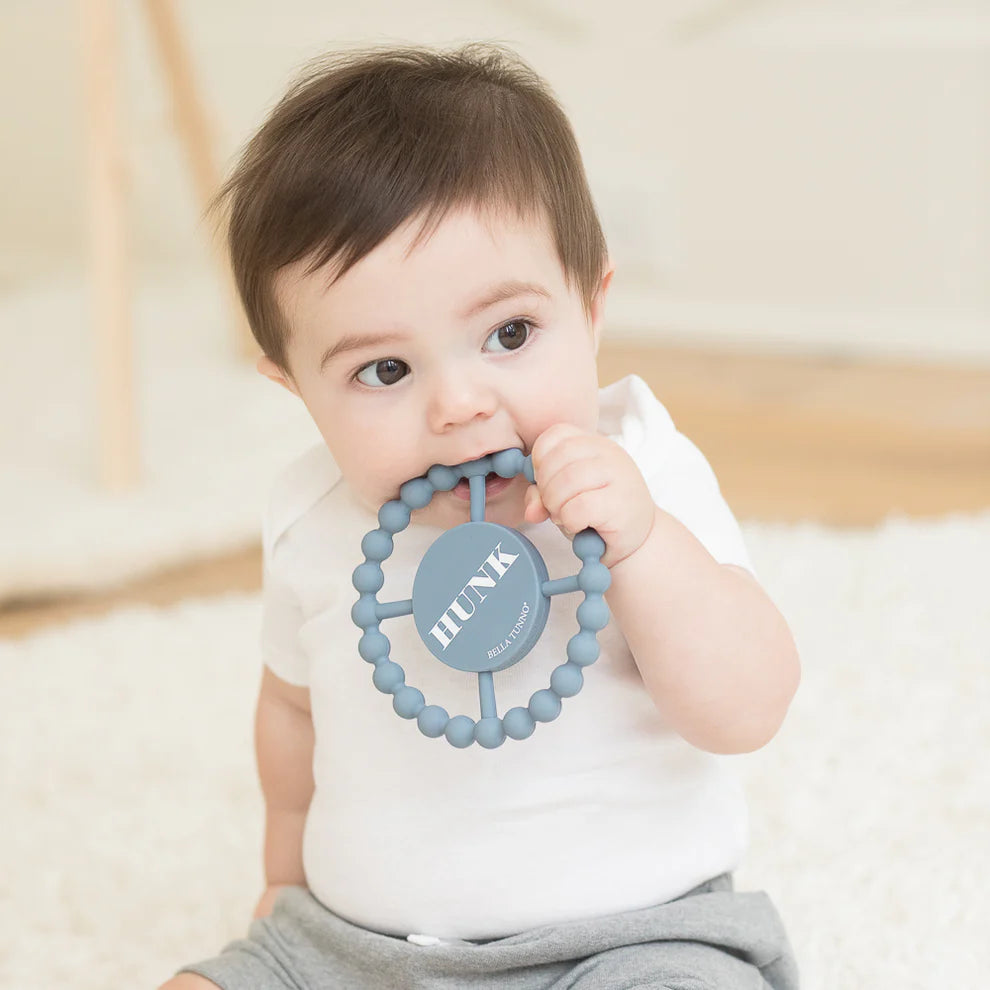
<point x="679" y="477"/>
<point x="684" y="484"/>
<point x="281" y="613"/>
<point x="296" y="490"/>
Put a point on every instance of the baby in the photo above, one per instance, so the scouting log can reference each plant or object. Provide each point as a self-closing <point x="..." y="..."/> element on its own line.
<point x="421" y="262"/>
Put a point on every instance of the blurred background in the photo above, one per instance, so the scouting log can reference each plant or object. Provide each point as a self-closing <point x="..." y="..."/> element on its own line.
<point x="795" y="195"/>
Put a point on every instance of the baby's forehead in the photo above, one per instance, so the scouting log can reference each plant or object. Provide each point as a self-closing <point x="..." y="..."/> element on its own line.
<point x="502" y="237"/>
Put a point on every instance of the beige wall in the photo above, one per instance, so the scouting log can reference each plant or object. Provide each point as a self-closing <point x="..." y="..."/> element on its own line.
<point x="767" y="174"/>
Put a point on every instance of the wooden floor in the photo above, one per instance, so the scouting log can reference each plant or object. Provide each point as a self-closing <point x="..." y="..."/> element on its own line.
<point x="842" y="442"/>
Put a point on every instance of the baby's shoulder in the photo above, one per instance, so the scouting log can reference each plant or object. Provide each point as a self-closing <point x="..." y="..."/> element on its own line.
<point x="299" y="486"/>
<point x="637" y="420"/>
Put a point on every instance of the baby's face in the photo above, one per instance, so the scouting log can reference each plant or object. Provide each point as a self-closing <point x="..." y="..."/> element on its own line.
<point x="469" y="343"/>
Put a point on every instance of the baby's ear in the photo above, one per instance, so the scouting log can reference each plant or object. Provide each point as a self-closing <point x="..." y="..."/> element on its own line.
<point x="598" y="302"/>
<point x="267" y="367"/>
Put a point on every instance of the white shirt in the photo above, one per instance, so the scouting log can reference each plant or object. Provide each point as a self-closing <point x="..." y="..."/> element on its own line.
<point x="603" y="810"/>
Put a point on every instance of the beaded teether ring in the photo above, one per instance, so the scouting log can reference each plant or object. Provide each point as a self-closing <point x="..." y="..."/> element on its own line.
<point x="480" y="600"/>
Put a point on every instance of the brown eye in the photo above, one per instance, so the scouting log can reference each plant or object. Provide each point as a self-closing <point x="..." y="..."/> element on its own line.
<point x="385" y="372"/>
<point x="512" y="335"/>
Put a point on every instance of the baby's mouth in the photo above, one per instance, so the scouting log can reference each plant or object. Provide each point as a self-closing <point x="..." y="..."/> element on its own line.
<point x="493" y="485"/>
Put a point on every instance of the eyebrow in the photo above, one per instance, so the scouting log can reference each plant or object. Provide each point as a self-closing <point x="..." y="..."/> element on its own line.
<point x="496" y="294"/>
<point x="353" y="342"/>
<point x="501" y="292"/>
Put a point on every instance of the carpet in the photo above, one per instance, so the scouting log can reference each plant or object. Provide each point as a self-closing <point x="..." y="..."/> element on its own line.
<point x="132" y="821"/>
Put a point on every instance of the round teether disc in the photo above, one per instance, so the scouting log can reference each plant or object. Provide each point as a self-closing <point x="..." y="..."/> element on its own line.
<point x="477" y="597"/>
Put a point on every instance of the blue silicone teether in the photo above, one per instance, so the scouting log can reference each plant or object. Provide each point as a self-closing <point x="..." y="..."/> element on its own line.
<point x="480" y="600"/>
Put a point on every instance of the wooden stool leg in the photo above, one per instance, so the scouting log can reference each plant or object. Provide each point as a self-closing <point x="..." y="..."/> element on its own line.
<point x="107" y="182"/>
<point x="194" y="135"/>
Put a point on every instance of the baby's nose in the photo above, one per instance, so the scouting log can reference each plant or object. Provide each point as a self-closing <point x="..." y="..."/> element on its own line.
<point x="457" y="400"/>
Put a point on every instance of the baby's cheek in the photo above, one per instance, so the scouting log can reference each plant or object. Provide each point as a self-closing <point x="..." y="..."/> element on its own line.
<point x="369" y="481"/>
<point x="571" y="404"/>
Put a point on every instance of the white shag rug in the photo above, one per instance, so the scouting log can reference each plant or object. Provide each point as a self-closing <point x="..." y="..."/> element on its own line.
<point x="212" y="431"/>
<point x="131" y="820"/>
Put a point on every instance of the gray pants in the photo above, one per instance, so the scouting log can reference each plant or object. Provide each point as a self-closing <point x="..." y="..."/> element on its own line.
<point x="709" y="938"/>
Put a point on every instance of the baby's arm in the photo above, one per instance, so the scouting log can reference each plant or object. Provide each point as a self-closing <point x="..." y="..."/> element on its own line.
<point x="715" y="654"/>
<point x="284" y="749"/>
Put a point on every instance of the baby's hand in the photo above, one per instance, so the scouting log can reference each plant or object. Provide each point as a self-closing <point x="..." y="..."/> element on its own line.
<point x="585" y="479"/>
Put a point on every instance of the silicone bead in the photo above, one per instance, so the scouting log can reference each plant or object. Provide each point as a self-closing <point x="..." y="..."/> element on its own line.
<point x="527" y="470"/>
<point x="508" y="463"/>
<point x="368" y="577"/>
<point x="592" y="613"/>
<point x="377" y="545"/>
<point x="582" y="649"/>
<point x="432" y="721"/>
<point x="416" y="493"/>
<point x="373" y="645"/>
<point x="566" y="680"/>
<point x="489" y="733"/>
<point x="394" y="516"/>
<point x="518" y="723"/>
<point x="544" y="706"/>
<point x="442" y="477"/>
<point x="480" y="465"/>
<point x="460" y="731"/>
<point x="588" y="543"/>
<point x="594" y="577"/>
<point x="363" y="611"/>
<point x="388" y="677"/>
<point x="408" y="702"/>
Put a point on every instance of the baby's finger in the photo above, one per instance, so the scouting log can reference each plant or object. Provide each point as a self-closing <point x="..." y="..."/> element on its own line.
<point x="536" y="511"/>
<point x="549" y="439"/>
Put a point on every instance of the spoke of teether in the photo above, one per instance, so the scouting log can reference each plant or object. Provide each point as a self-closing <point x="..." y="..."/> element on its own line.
<point x="560" y="586"/>
<point x="486" y="689"/>
<point x="389" y="610"/>
<point x="477" y="484"/>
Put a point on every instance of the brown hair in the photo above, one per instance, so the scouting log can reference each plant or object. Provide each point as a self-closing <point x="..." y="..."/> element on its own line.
<point x="364" y="140"/>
